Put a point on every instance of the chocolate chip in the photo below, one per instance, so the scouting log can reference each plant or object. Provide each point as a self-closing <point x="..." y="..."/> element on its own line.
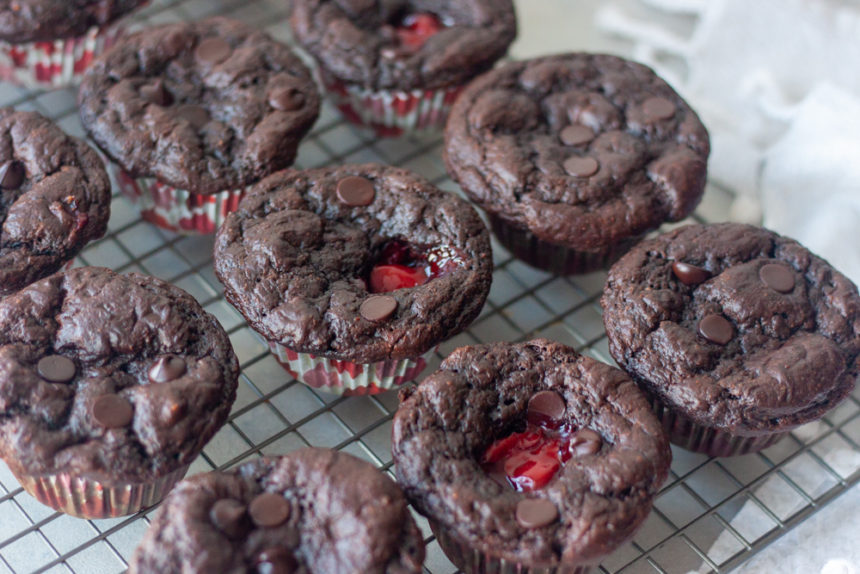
<point x="716" y="329"/>
<point x="576" y="135"/>
<point x="546" y="405"/>
<point x="777" y="277"/>
<point x="584" y="442"/>
<point x="581" y="166"/>
<point x="157" y="94"/>
<point x="276" y="560"/>
<point x="690" y="274"/>
<point x="195" y="115"/>
<point x="56" y="369"/>
<point x="657" y="108"/>
<point x="269" y="510"/>
<point x="167" y="368"/>
<point x="355" y="191"/>
<point x="536" y="512"/>
<point x="378" y="307"/>
<point x="212" y="51"/>
<point x="12" y="175"/>
<point x="286" y="99"/>
<point x="230" y="517"/>
<point x="112" y="411"/>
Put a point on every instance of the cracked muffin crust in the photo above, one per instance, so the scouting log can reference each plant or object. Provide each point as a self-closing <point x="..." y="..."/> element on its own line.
<point x="734" y="327"/>
<point x="112" y="378"/>
<point x="295" y="259"/>
<point x="579" y="150"/>
<point x="45" y="20"/>
<point x="202" y="106"/>
<point x="310" y="512"/>
<point x="481" y="393"/>
<point x="357" y="42"/>
<point x="54" y="198"/>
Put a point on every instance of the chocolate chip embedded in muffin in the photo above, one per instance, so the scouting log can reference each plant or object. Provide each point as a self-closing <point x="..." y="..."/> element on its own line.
<point x="314" y="510"/>
<point x="229" y="103"/>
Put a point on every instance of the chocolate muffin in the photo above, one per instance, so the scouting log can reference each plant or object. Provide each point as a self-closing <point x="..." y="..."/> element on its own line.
<point x="399" y="65"/>
<point x="352" y="273"/>
<point x="737" y="334"/>
<point x="312" y="511"/>
<point x="49" y="43"/>
<point x="528" y="457"/>
<point x="194" y="113"/>
<point x="574" y="157"/>
<point x="54" y="198"/>
<point x="110" y="386"/>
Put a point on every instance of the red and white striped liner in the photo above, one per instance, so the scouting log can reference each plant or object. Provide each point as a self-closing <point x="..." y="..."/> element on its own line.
<point x="178" y="210"/>
<point x="56" y="63"/>
<point x="392" y="113"/>
<point x="347" y="378"/>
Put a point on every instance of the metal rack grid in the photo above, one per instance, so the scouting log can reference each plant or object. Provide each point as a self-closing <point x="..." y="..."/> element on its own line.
<point x="710" y="516"/>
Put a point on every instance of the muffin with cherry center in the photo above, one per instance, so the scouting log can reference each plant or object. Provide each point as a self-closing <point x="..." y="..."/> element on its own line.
<point x="194" y="113"/>
<point x="575" y="157"/>
<point x="110" y="386"/>
<point x="397" y="66"/>
<point x="737" y="334"/>
<point x="54" y="198"/>
<point x="528" y="457"/>
<point x="312" y="511"/>
<point x="353" y="273"/>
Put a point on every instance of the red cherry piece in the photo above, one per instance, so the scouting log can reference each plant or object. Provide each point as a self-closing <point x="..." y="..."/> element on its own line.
<point x="416" y="29"/>
<point x="500" y="448"/>
<point x="387" y="278"/>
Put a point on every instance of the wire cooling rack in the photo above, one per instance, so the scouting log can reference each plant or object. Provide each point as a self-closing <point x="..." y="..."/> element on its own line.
<point x="710" y="516"/>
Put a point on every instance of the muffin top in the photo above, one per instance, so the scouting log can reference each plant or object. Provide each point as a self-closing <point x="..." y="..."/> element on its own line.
<point x="405" y="44"/>
<point x="734" y="326"/>
<point x="362" y="263"/>
<point x="54" y="198"/>
<point x="309" y="512"/>
<point x="203" y="106"/>
<point x="47" y="20"/>
<point x="582" y="150"/>
<point x="610" y="454"/>
<point x="117" y="378"/>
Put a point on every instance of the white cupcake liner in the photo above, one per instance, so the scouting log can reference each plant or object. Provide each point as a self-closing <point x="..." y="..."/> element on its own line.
<point x="55" y="63"/>
<point x="178" y="210"/>
<point x="347" y="378"/>
<point x="87" y="498"/>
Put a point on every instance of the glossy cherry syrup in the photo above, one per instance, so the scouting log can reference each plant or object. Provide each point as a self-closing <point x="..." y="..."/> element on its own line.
<point x="415" y="29"/>
<point x="401" y="266"/>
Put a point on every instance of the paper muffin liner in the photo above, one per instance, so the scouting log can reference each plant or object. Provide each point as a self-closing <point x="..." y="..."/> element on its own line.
<point x="392" y="113"/>
<point x="178" y="210"/>
<point x="473" y="561"/>
<point x="56" y="63"/>
<point x="86" y="498"/>
<point x="347" y="378"/>
<point x="557" y="259"/>
<point x="708" y="440"/>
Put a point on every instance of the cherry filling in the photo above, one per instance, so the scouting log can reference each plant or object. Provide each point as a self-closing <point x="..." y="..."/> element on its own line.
<point x="414" y="30"/>
<point x="401" y="266"/>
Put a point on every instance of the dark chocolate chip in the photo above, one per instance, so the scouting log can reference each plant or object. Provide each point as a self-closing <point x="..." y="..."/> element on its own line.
<point x="167" y="368"/>
<point x="576" y="134"/>
<point x="157" y="94"/>
<point x="269" y="510"/>
<point x="286" y="99"/>
<point x="546" y="405"/>
<point x="195" y="115"/>
<point x="12" y="175"/>
<point x="56" y="369"/>
<point x="276" y="560"/>
<point x="212" y="51"/>
<point x="536" y="512"/>
<point x="690" y="274"/>
<point x="230" y="517"/>
<point x="581" y="166"/>
<point x="355" y="191"/>
<point x="378" y="307"/>
<point x="584" y="442"/>
<point x="716" y="329"/>
<point x="112" y="411"/>
<point x="777" y="277"/>
<point x="657" y="108"/>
